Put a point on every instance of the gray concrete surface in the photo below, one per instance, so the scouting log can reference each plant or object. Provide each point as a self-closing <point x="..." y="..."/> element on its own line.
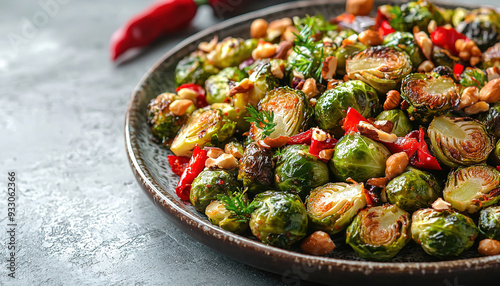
<point x="81" y="217"/>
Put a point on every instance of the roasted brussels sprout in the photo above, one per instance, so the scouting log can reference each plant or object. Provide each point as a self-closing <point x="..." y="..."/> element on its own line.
<point x="429" y="96"/>
<point x="481" y="26"/>
<point x="345" y="52"/>
<point x="204" y="126"/>
<point x="491" y="119"/>
<point x="402" y="124"/>
<point x="491" y="57"/>
<point x="473" y="77"/>
<point x="471" y="188"/>
<point x="460" y="141"/>
<point x="299" y="172"/>
<point x="218" y="214"/>
<point x="232" y="51"/>
<point x="417" y="13"/>
<point x="208" y="184"/>
<point x="235" y="115"/>
<point x="332" y="206"/>
<point x="218" y="86"/>
<point x="256" y="169"/>
<point x="489" y="222"/>
<point x="358" y="157"/>
<point x="280" y="219"/>
<point x="407" y="43"/>
<point x="379" y="233"/>
<point x="443" y="57"/>
<point x="164" y="124"/>
<point x="291" y="112"/>
<point x="380" y="67"/>
<point x="332" y="105"/>
<point x="194" y="68"/>
<point x="412" y="190"/>
<point x="443" y="233"/>
<point x="495" y="155"/>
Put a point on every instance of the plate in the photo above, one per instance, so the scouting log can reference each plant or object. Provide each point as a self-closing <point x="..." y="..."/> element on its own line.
<point x="150" y="166"/>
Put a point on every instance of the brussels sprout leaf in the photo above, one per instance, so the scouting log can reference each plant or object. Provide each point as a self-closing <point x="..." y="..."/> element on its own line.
<point x="263" y="120"/>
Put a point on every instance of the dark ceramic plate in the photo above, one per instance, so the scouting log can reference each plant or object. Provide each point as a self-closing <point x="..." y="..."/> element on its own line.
<point x="151" y="168"/>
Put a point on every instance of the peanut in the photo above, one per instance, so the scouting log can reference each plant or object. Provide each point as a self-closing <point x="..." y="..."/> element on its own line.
<point x="214" y="153"/>
<point x="370" y="37"/>
<point x="477" y="107"/>
<point x="396" y="164"/>
<point x="425" y="66"/>
<point x="277" y="27"/>
<point x="187" y="93"/>
<point x="258" y="29"/>
<point x="490" y="93"/>
<point x="359" y="7"/>
<point x="318" y="243"/>
<point x="289" y="33"/>
<point x="392" y="100"/>
<point x="488" y="247"/>
<point x="180" y="106"/>
<point x="263" y="51"/>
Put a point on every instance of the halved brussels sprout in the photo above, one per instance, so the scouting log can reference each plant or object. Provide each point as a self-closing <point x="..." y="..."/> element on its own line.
<point x="291" y="112"/>
<point x="218" y="214"/>
<point x="164" y="124"/>
<point x="417" y="13"/>
<point x="380" y="67"/>
<point x="280" y="219"/>
<point x="489" y="222"/>
<point x="232" y="51"/>
<point x="208" y="184"/>
<point x="460" y="141"/>
<point x="402" y="124"/>
<point x="332" y="105"/>
<point x="469" y="189"/>
<point x="412" y="190"/>
<point x="218" y="86"/>
<point x="481" y="26"/>
<point x="407" y="43"/>
<point x="473" y="77"/>
<point x="235" y="115"/>
<point x="194" y="68"/>
<point x="256" y="169"/>
<point x="379" y="233"/>
<point x="204" y="126"/>
<point x="443" y="57"/>
<point x="345" y="52"/>
<point x="358" y="157"/>
<point x="495" y="155"/>
<point x="332" y="207"/>
<point x="429" y="96"/>
<point x="491" y="57"/>
<point x="443" y="233"/>
<point x="491" y="119"/>
<point x="299" y="172"/>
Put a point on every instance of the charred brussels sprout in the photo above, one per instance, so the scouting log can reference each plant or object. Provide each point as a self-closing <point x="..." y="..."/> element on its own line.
<point x="417" y="13"/>
<point x="164" y="124"/>
<point x="345" y="52"/>
<point x="291" y="112"/>
<point x="491" y="57"/>
<point x="379" y="233"/>
<point x="481" y="26"/>
<point x="204" y="126"/>
<point x="473" y="77"/>
<point x="218" y="86"/>
<point x="443" y="233"/>
<point x="298" y="171"/>
<point x="380" y="67"/>
<point x="194" y="68"/>
<point x="460" y="141"/>
<point x="332" y="105"/>
<point x="232" y="51"/>
<point x="406" y="42"/>
<point x="443" y="57"/>
<point x="401" y="123"/>
<point x="262" y="81"/>
<point x="359" y="158"/>
<point x="489" y="222"/>
<point x="280" y="219"/>
<point x="218" y="214"/>
<point x="469" y="189"/>
<point x="208" y="184"/>
<point x="429" y="96"/>
<point x="256" y="169"/>
<point x="235" y="115"/>
<point x="491" y="119"/>
<point x="332" y="207"/>
<point x="495" y="155"/>
<point x="412" y="190"/>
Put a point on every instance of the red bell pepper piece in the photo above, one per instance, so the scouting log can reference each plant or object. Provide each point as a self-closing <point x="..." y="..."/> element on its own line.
<point x="385" y="28"/>
<point x="318" y="146"/>
<point x="408" y="144"/>
<point x="196" y="165"/>
<point x="352" y="119"/>
<point x="301" y="138"/>
<point x="446" y="38"/>
<point x="457" y="70"/>
<point x="423" y="158"/>
<point x="201" y="99"/>
<point x="498" y="168"/>
<point x="178" y="164"/>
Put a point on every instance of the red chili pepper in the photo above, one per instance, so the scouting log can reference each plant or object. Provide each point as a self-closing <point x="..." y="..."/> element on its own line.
<point x="498" y="168"/>
<point x="385" y="28"/>
<point x="178" y="164"/>
<point x="446" y="38"/>
<point x="352" y="119"/>
<point x="408" y="144"/>
<point x="457" y="70"/>
<point x="424" y="159"/>
<point x="160" y="18"/>
<point x="318" y="146"/>
<point x="196" y="165"/>
<point x="201" y="99"/>
<point x="301" y="138"/>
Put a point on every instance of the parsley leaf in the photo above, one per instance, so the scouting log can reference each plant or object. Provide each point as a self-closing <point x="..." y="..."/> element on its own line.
<point x="238" y="205"/>
<point x="263" y="120"/>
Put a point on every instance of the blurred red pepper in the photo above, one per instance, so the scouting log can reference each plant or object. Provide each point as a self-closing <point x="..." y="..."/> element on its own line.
<point x="301" y="138"/>
<point x="498" y="168"/>
<point x="385" y="28"/>
<point x="446" y="38"/>
<point x="196" y="165"/>
<point x="178" y="164"/>
<point x="201" y="100"/>
<point x="352" y="119"/>
<point x="457" y="70"/>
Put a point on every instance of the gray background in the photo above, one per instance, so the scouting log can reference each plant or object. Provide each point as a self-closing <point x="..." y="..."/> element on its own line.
<point x="82" y="218"/>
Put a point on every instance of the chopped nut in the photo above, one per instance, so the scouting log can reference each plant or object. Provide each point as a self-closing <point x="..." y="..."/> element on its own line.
<point x="258" y="29"/>
<point x="269" y="142"/>
<point x="244" y="86"/>
<point x="207" y="47"/>
<point x="289" y="33"/>
<point x="318" y="243"/>
<point x="432" y="26"/>
<point x="214" y="153"/>
<point x="319" y="135"/>
<point x="468" y="51"/>
<point x="297" y="74"/>
<point x="392" y="100"/>
<point x="488" y="247"/>
<point x="493" y="73"/>
<point x="264" y="50"/>
<point x="359" y="7"/>
<point x="277" y="27"/>
<point x="310" y="88"/>
<point x="476" y="108"/>
<point x="378" y="182"/>
<point x="372" y="132"/>
<point x="230" y="149"/>
<point x="370" y="37"/>
<point x="469" y="96"/>
<point x="384" y="125"/>
<point x="425" y="44"/>
<point x="179" y="106"/>
<point x="441" y="205"/>
<point x="425" y="66"/>
<point x="224" y="161"/>
<point x="396" y="164"/>
<point x="326" y="154"/>
<point x="211" y="163"/>
<point x="332" y="83"/>
<point x="329" y="67"/>
<point x="278" y="69"/>
<point x="187" y="93"/>
<point x="491" y="91"/>
<point x="282" y="50"/>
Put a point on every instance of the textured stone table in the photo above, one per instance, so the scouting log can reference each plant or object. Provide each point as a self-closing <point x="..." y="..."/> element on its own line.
<point x="81" y="217"/>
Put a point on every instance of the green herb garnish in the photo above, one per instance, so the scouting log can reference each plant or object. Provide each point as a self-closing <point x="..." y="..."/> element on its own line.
<point x="238" y="205"/>
<point x="263" y="120"/>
